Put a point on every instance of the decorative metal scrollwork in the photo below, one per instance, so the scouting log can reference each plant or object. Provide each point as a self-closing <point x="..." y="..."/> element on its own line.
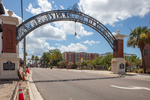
<point x="64" y="15"/>
<point x="75" y="8"/>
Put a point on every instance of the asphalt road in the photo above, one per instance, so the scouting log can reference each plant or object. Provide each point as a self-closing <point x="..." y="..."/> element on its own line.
<point x="64" y="85"/>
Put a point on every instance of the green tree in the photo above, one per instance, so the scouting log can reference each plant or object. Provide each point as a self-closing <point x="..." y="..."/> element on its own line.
<point x="52" y="58"/>
<point x="78" y="63"/>
<point x="57" y="54"/>
<point x="106" y="61"/>
<point x="62" y="63"/>
<point x="36" y="59"/>
<point x="70" y="64"/>
<point x="139" y="37"/>
<point x="132" y="60"/>
<point x="138" y="62"/>
<point x="90" y="65"/>
<point x="32" y="58"/>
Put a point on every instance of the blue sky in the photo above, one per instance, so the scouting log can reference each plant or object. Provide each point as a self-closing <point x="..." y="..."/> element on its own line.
<point x="114" y="14"/>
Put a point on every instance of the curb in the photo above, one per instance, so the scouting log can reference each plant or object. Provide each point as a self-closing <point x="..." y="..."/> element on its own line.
<point x="33" y="92"/>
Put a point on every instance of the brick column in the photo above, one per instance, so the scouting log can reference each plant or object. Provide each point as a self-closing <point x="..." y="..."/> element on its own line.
<point x="9" y="33"/>
<point x="118" y="53"/>
<point x="118" y="61"/>
<point x="9" y="60"/>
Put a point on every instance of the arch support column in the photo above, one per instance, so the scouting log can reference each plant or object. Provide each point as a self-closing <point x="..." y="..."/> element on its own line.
<point x="9" y="58"/>
<point x="118" y="61"/>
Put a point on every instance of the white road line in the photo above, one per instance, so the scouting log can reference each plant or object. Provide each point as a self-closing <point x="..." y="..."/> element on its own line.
<point x="131" y="87"/>
<point x="70" y="98"/>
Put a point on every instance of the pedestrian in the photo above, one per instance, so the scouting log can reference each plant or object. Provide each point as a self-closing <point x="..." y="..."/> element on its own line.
<point x="27" y="70"/>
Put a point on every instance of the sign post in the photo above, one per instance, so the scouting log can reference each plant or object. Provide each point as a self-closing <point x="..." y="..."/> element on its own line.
<point x="81" y="62"/>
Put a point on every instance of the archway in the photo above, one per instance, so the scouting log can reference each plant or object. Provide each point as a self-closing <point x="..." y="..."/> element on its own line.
<point x="12" y="35"/>
<point x="64" y="15"/>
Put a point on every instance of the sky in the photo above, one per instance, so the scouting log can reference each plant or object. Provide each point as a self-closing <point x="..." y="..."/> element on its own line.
<point x="116" y="15"/>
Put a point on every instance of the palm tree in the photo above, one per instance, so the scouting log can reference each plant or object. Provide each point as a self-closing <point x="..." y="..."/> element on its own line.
<point x="57" y="54"/>
<point x="138" y="38"/>
<point x="36" y="59"/>
<point x="32" y="58"/>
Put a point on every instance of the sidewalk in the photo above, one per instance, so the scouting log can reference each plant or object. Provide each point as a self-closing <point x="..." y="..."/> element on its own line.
<point x="127" y="75"/>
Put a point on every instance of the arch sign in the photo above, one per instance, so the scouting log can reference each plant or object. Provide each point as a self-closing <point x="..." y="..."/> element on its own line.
<point x="71" y="14"/>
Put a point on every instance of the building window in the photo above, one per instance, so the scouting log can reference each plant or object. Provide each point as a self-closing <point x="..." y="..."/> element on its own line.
<point x="76" y="60"/>
<point x="69" y="56"/>
<point x="78" y="54"/>
<point x="84" y="54"/>
<point x="89" y="55"/>
<point x="69" y="59"/>
<point x="81" y="54"/>
<point x="84" y="57"/>
<point x="145" y="52"/>
<point x="76" y="57"/>
<point x="69" y="53"/>
<point x="95" y="55"/>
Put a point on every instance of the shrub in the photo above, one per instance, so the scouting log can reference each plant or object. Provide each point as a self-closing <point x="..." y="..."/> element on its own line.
<point x="135" y="70"/>
<point x="109" y="68"/>
<point x="141" y="70"/>
<point x="148" y="71"/>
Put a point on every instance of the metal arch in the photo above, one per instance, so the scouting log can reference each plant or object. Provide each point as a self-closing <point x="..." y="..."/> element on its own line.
<point x="64" y="15"/>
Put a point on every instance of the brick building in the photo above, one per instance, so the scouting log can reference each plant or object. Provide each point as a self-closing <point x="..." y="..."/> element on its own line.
<point x="146" y="53"/>
<point x="76" y="56"/>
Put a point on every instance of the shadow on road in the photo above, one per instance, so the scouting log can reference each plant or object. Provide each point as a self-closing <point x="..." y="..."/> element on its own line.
<point x="66" y="80"/>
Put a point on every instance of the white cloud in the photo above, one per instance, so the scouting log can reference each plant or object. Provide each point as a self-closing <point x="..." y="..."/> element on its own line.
<point x="69" y="28"/>
<point x="114" y="33"/>
<point x="49" y="32"/>
<point x="61" y="7"/>
<point x="73" y="47"/>
<point x="56" y="7"/>
<point x="90" y="42"/>
<point x="97" y="42"/>
<point x="111" y="11"/>
<point x="37" y="46"/>
<point x="44" y="6"/>
<point x="53" y="2"/>
<point x="77" y="36"/>
<point x="57" y="44"/>
<point x="34" y="11"/>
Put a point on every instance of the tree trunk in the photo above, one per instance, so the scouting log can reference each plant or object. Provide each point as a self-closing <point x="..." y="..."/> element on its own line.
<point x="143" y="62"/>
<point x="57" y="62"/>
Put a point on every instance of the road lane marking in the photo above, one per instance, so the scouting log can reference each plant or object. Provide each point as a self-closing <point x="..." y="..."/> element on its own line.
<point x="131" y="87"/>
<point x="70" y="98"/>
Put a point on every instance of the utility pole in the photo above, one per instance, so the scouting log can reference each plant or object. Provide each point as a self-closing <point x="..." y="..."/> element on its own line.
<point x="24" y="43"/>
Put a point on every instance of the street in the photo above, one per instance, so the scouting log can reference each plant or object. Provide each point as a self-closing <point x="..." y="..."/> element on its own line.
<point x="65" y="85"/>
